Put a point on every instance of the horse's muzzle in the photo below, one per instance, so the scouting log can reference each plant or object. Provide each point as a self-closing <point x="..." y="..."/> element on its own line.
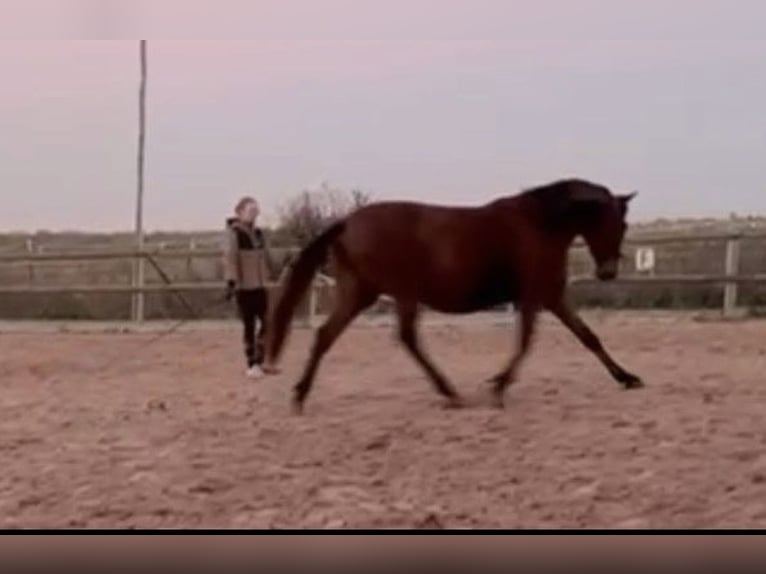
<point x="607" y="271"/>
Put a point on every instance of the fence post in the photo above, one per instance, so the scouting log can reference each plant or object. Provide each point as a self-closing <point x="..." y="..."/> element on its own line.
<point x="31" y="251"/>
<point x="732" y="270"/>
<point x="138" y="280"/>
<point x="312" y="305"/>
<point x="190" y="258"/>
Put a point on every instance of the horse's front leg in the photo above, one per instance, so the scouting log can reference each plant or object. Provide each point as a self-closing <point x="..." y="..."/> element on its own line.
<point x="588" y="338"/>
<point x="501" y="381"/>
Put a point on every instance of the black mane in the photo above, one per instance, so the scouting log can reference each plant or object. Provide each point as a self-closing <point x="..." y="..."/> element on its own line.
<point x="569" y="202"/>
<point x="566" y="189"/>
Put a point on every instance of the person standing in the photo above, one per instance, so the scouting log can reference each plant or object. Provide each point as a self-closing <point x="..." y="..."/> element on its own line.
<point x="248" y="263"/>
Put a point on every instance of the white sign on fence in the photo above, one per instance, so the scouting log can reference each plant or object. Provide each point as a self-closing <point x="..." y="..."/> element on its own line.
<point x="645" y="259"/>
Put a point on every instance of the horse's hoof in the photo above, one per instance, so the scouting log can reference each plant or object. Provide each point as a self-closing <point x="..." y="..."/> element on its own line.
<point x="297" y="406"/>
<point x="454" y="403"/>
<point x="498" y="401"/>
<point x="497" y="379"/>
<point x="631" y="382"/>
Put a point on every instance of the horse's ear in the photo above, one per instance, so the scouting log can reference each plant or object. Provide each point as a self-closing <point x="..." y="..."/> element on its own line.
<point x="626" y="199"/>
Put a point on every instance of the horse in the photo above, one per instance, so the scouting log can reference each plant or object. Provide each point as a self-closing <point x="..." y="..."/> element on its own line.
<point x="459" y="260"/>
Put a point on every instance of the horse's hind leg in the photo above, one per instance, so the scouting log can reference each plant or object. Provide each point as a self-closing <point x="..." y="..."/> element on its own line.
<point x="351" y="299"/>
<point x="408" y="314"/>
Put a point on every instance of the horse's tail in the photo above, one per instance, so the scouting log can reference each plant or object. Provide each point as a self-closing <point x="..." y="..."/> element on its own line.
<point x="297" y="283"/>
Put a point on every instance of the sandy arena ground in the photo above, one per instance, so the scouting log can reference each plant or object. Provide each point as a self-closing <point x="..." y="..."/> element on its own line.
<point x="175" y="436"/>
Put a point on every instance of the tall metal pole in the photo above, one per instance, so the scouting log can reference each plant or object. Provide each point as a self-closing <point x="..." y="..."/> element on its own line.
<point x="138" y="264"/>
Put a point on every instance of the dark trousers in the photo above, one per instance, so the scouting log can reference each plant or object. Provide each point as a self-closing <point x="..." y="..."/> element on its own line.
<point x="253" y="305"/>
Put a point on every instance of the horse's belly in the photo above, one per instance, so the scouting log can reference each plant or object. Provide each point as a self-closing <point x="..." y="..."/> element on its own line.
<point x="472" y="297"/>
<point x="443" y="277"/>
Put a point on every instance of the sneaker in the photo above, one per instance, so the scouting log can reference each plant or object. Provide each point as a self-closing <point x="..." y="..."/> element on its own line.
<point x="270" y="369"/>
<point x="255" y="372"/>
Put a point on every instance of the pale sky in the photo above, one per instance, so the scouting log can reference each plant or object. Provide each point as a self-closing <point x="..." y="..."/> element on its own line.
<point x="421" y="99"/>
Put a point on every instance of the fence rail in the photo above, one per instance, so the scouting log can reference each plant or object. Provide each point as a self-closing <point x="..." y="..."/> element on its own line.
<point x="731" y="278"/>
<point x="207" y="286"/>
<point x="100" y="255"/>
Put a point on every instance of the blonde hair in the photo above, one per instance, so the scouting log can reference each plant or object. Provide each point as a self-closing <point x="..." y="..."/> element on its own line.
<point x="242" y="203"/>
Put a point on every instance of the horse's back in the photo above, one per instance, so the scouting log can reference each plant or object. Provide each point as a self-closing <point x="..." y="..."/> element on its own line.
<point x="447" y="257"/>
<point x="418" y="227"/>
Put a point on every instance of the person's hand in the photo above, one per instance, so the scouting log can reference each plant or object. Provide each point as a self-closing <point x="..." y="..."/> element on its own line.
<point x="230" y="288"/>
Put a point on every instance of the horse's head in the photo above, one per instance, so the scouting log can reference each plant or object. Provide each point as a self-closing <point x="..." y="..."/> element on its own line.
<point x="600" y="219"/>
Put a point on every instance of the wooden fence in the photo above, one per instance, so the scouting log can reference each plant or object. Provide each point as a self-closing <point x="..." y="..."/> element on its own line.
<point x="731" y="279"/>
<point x="151" y="256"/>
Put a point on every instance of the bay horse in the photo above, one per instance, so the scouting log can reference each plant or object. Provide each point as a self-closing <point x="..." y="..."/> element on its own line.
<point x="459" y="260"/>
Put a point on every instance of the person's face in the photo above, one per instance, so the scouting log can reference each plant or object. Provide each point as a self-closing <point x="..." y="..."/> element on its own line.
<point x="249" y="212"/>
